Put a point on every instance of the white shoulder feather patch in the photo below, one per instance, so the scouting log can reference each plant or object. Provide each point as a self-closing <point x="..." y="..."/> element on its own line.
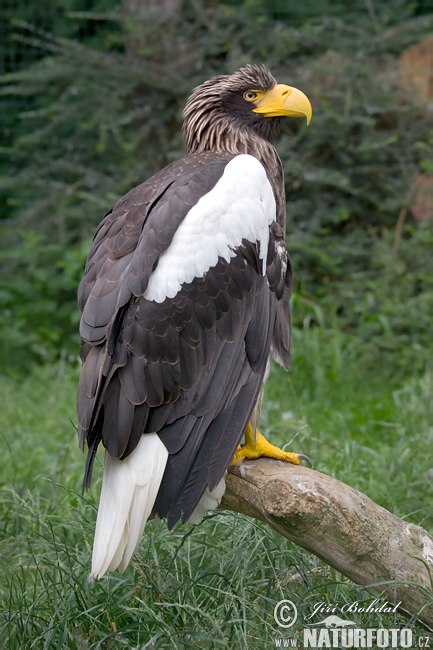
<point x="240" y="206"/>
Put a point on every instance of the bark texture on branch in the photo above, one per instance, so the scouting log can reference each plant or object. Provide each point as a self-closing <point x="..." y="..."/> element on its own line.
<point x="340" y="525"/>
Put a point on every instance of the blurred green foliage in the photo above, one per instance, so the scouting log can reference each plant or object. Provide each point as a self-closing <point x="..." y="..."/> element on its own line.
<point x="102" y="117"/>
<point x="37" y="300"/>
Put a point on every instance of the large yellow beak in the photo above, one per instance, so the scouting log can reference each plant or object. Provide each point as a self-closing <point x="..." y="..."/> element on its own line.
<point x="283" y="100"/>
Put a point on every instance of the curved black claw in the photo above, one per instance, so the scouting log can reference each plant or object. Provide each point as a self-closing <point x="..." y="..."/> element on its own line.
<point x="307" y="460"/>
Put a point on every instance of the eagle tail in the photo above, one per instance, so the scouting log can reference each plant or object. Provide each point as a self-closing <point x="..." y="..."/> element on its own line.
<point x="209" y="501"/>
<point x="129" y="490"/>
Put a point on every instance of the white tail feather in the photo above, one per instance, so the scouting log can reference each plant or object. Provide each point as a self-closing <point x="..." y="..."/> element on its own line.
<point x="129" y="490"/>
<point x="209" y="501"/>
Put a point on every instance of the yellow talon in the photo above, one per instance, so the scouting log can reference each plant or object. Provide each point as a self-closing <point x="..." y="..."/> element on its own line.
<point x="257" y="445"/>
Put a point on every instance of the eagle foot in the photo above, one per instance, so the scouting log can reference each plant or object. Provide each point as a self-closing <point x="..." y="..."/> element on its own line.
<point x="256" y="445"/>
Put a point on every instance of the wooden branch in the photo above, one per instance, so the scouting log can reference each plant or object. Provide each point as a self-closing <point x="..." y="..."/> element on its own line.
<point x="340" y="525"/>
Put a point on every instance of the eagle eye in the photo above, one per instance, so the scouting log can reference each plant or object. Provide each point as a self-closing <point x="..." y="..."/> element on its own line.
<point x="250" y="95"/>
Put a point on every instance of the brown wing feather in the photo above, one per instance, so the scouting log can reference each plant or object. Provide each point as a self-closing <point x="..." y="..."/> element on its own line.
<point x="189" y="368"/>
<point x="125" y="250"/>
<point x="279" y="273"/>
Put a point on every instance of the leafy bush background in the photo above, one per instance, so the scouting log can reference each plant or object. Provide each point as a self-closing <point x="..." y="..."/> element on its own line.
<point x="93" y="121"/>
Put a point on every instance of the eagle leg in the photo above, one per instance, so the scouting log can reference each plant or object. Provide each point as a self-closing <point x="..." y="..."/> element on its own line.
<point x="256" y="445"/>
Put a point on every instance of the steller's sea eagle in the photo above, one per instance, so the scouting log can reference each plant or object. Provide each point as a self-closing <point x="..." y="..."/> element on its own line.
<point x="184" y="299"/>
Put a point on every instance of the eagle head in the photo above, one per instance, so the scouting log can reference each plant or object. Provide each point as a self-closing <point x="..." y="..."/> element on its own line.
<point x="228" y="112"/>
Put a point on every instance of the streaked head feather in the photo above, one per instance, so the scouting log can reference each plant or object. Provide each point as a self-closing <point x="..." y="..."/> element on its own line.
<point x="216" y="120"/>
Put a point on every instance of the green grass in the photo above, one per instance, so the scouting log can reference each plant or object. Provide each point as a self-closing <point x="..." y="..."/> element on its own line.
<point x="361" y="418"/>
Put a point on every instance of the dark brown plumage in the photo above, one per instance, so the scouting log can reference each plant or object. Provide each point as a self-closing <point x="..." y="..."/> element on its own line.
<point x="186" y="359"/>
